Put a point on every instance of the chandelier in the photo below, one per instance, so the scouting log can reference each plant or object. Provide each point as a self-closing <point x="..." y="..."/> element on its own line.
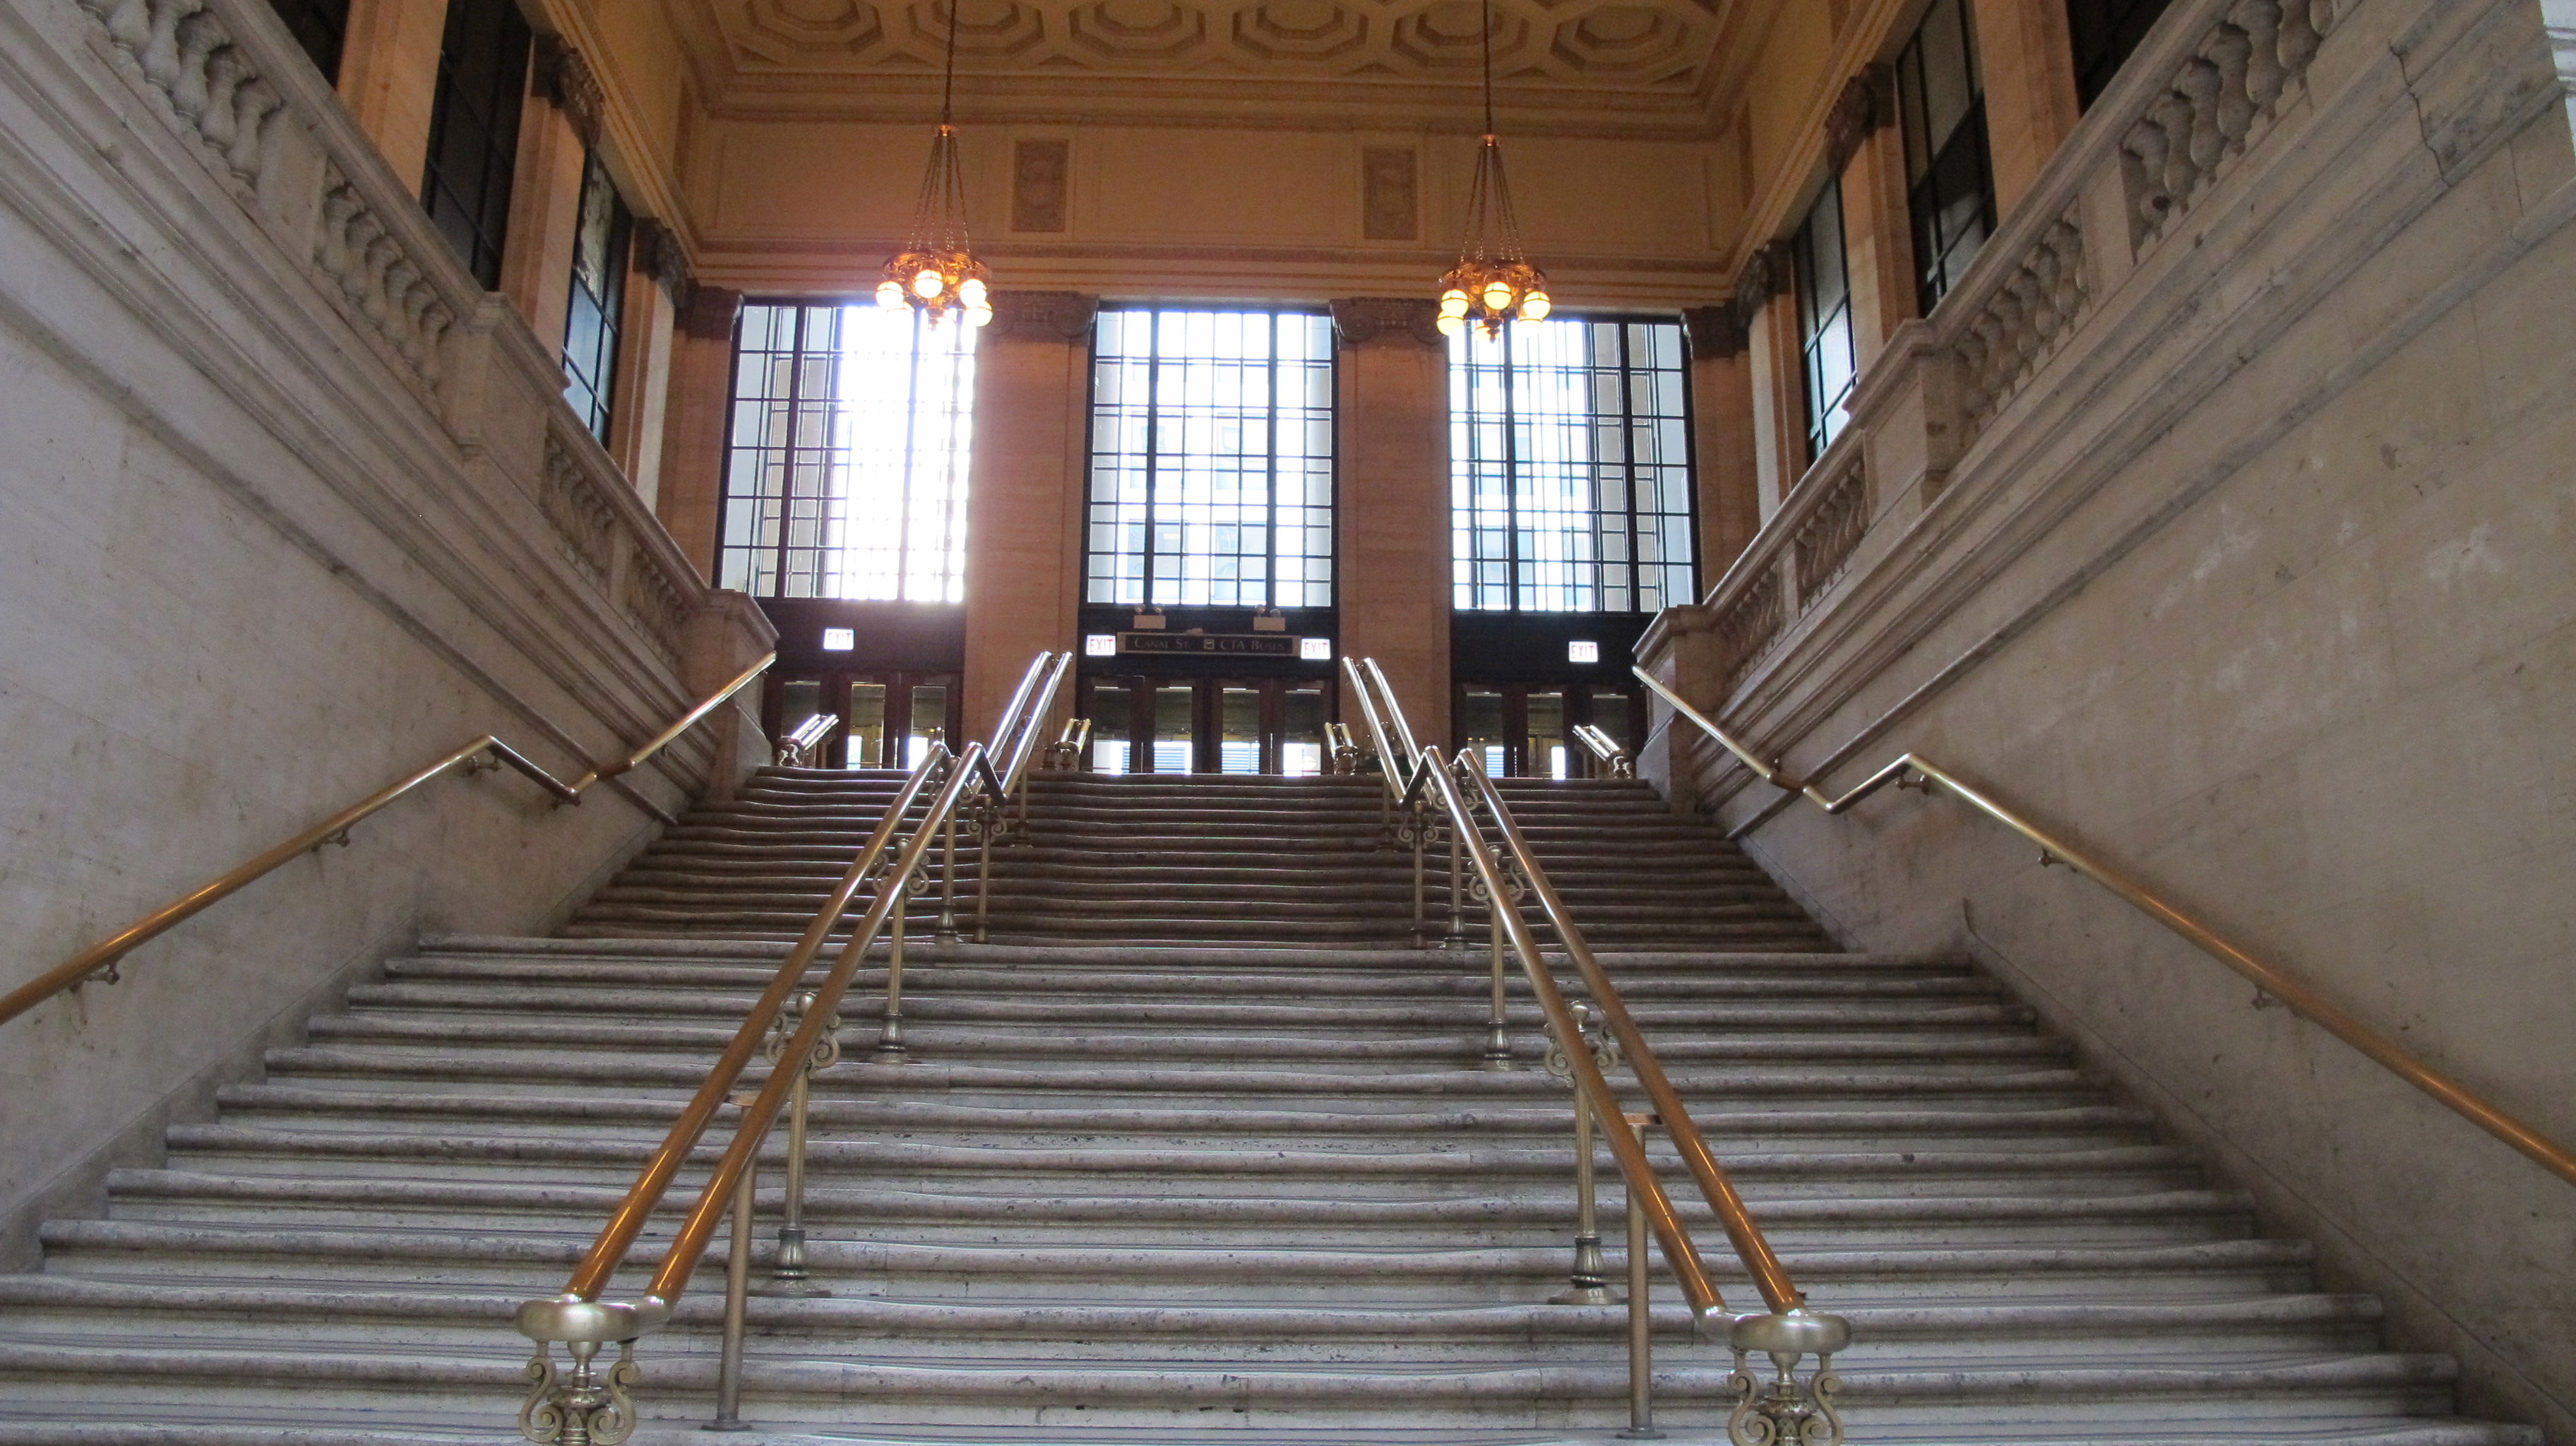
<point x="1493" y="282"/>
<point x="937" y="272"/>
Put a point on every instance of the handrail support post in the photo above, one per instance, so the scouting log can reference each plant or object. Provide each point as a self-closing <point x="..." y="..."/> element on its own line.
<point x="1641" y="1315"/>
<point x="890" y="1049"/>
<point x="737" y="1291"/>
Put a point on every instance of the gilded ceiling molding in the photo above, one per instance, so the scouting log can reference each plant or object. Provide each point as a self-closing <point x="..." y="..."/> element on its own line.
<point x="1867" y="102"/>
<point x="1363" y="319"/>
<point x="1044" y="315"/>
<point x="710" y="312"/>
<point x="568" y="84"/>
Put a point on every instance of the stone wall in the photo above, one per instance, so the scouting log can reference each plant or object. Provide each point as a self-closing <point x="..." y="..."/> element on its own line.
<point x="291" y="510"/>
<point x="2221" y="521"/>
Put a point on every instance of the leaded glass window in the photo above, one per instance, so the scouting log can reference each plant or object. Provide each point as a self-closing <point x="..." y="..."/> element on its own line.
<point x="1211" y="459"/>
<point x="1570" y="467"/>
<point x="845" y="474"/>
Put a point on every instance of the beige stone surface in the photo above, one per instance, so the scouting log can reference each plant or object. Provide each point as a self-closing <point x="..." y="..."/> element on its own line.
<point x="2257" y="588"/>
<point x="1024" y="512"/>
<point x="1392" y="519"/>
<point x="389" y="75"/>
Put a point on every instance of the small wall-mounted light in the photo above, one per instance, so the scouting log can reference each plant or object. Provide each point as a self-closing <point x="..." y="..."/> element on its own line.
<point x="1315" y="650"/>
<point x="1580" y="651"/>
<point x="840" y="640"/>
<point x="1269" y="620"/>
<point x="1100" y="645"/>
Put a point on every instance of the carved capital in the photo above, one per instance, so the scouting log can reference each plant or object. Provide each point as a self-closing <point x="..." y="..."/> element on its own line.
<point x="1715" y="331"/>
<point x="710" y="312"/>
<point x="1363" y="319"/>
<point x="658" y="254"/>
<point x="1044" y="315"/>
<point x="1766" y="274"/>
<point x="566" y="81"/>
<point x="1868" y="101"/>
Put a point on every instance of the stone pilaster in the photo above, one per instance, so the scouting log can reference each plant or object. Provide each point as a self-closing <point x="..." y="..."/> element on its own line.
<point x="1024" y="500"/>
<point x="1393" y="554"/>
<point x="691" y="483"/>
<point x="389" y="77"/>
<point x="2029" y="76"/>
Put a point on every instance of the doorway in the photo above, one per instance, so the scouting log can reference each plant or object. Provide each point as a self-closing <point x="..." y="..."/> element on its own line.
<point x="1526" y="730"/>
<point x="1205" y="725"/>
<point x="887" y="719"/>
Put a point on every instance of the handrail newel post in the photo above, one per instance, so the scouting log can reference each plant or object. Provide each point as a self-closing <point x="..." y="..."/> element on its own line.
<point x="1588" y="1282"/>
<point x="947" y="933"/>
<point x="788" y="1273"/>
<point x="1641" y="1313"/>
<point x="890" y="1048"/>
<point x="737" y="1300"/>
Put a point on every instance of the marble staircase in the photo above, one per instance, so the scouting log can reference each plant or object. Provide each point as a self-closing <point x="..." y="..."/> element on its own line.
<point x="1157" y="1179"/>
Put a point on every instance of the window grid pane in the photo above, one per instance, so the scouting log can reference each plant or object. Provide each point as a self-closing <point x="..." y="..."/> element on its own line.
<point x="1211" y="460"/>
<point x="1824" y="320"/>
<point x="1570" y="468"/>
<point x="846" y="477"/>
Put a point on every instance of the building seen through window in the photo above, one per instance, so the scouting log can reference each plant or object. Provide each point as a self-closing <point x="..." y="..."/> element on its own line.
<point x="846" y="466"/>
<point x="474" y="131"/>
<point x="1570" y="470"/>
<point x="1826" y="362"/>
<point x="1211" y="460"/>
<point x="598" y="298"/>
<point x="1949" y="178"/>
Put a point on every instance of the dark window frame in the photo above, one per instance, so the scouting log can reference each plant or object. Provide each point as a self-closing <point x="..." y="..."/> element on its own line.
<point x="474" y="117"/>
<point x="778" y="539"/>
<point x="595" y="305"/>
<point x="1467" y="592"/>
<point x="2101" y="35"/>
<point x="1824" y="323"/>
<point x="1949" y="175"/>
<point x="320" y="28"/>
<point x="1104" y="581"/>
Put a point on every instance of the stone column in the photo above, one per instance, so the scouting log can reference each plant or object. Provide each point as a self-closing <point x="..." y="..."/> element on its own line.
<point x="1025" y="494"/>
<point x="657" y="280"/>
<point x="1392" y="554"/>
<point x="2027" y="63"/>
<point x="389" y="77"/>
<point x="1766" y="311"/>
<point x="691" y="489"/>
<point x="1721" y="379"/>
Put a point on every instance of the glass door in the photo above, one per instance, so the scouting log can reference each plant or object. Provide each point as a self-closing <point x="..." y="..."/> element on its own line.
<point x="887" y="719"/>
<point x="1526" y="730"/>
<point x="1212" y="725"/>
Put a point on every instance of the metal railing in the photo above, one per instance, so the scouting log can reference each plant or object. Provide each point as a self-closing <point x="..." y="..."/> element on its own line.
<point x="799" y="744"/>
<point x="794" y="1025"/>
<point x="1911" y="771"/>
<point x="1615" y="760"/>
<point x="479" y="755"/>
<point x="1444" y="796"/>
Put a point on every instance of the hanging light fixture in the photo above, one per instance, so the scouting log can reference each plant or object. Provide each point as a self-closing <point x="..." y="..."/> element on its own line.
<point x="937" y="272"/>
<point x="1493" y="282"/>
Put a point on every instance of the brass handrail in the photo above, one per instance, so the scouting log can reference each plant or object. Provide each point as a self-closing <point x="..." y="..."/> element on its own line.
<point x="1606" y="748"/>
<point x="102" y="957"/>
<point x="577" y="1317"/>
<point x="807" y="737"/>
<point x="2302" y="1000"/>
<point x="682" y="724"/>
<point x="1798" y="1411"/>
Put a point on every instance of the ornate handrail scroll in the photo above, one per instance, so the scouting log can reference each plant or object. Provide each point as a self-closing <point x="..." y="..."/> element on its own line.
<point x="1606" y="748"/>
<point x="589" y="1407"/>
<point x="487" y="752"/>
<point x="1787" y="1410"/>
<point x="807" y="736"/>
<point x="1912" y="771"/>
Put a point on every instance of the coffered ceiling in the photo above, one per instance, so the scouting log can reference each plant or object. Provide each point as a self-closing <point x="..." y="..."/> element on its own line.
<point x="1641" y="66"/>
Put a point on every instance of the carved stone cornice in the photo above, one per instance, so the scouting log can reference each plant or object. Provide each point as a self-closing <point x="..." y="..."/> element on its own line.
<point x="567" y="83"/>
<point x="658" y="254"/>
<point x="1044" y="315"/>
<point x="1766" y="274"/>
<point x="1363" y="319"/>
<point x="710" y="311"/>
<point x="1868" y="101"/>
<point x="1715" y="331"/>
